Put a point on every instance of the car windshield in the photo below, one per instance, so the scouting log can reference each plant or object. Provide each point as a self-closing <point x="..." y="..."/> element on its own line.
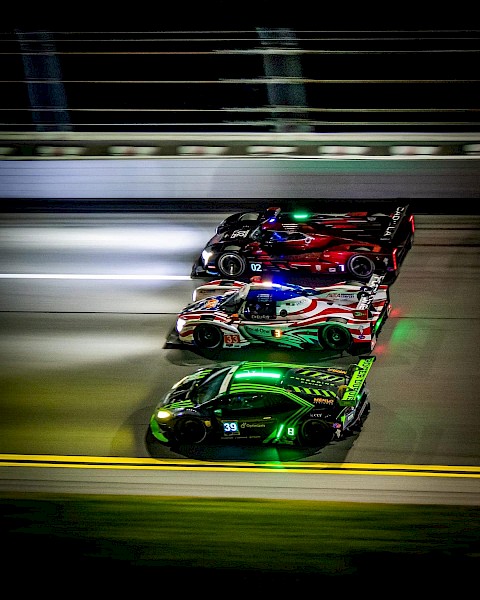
<point x="257" y="234"/>
<point x="210" y="387"/>
<point x="232" y="302"/>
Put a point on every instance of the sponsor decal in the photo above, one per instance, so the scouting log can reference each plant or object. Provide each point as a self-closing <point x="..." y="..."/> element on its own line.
<point x="397" y="215"/>
<point x="239" y="233"/>
<point x="211" y="303"/>
<point x="257" y="330"/>
<point x="345" y="295"/>
<point x="329" y="401"/>
<point x="367" y="300"/>
<point x="252" y="425"/>
<point x="356" y="382"/>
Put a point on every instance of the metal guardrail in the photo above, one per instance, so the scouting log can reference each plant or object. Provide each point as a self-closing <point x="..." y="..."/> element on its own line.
<point x="45" y="145"/>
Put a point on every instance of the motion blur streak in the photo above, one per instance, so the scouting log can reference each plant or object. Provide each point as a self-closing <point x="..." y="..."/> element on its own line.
<point x="93" y="276"/>
<point x="111" y="237"/>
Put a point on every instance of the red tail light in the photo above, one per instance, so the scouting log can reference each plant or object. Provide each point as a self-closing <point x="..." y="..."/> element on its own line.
<point x="394" y="259"/>
<point x="412" y="222"/>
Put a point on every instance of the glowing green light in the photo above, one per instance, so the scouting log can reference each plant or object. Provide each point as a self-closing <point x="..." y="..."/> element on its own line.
<point x="300" y="216"/>
<point x="379" y="322"/>
<point x="257" y="374"/>
<point x="406" y="331"/>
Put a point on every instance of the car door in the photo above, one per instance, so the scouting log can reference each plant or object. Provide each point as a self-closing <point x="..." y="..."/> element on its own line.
<point x="245" y="416"/>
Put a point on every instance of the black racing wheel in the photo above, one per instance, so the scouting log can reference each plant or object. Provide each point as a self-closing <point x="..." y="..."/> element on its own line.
<point x="315" y="432"/>
<point x="190" y="430"/>
<point x="335" y="337"/>
<point x="208" y="337"/>
<point x="360" y="266"/>
<point x="231" y="264"/>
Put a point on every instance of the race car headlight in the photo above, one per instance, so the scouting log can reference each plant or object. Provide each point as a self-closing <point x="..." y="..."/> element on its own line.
<point x="206" y="256"/>
<point x="163" y="415"/>
<point x="180" y="324"/>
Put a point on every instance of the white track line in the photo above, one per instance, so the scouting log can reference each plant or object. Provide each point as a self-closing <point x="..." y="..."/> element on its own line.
<point x="92" y="276"/>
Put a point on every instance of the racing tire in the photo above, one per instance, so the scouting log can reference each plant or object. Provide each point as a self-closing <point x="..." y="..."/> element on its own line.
<point x="360" y="266"/>
<point x="315" y="432"/>
<point x="208" y="337"/>
<point x="190" y="430"/>
<point x="231" y="265"/>
<point x="334" y="336"/>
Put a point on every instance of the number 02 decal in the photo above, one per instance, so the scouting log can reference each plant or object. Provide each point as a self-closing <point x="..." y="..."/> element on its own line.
<point x="256" y="267"/>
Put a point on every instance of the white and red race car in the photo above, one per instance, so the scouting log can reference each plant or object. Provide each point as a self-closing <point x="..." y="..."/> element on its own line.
<point x="343" y="317"/>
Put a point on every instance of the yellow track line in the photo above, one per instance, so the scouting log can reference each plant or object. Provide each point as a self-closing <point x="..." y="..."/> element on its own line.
<point x="98" y="462"/>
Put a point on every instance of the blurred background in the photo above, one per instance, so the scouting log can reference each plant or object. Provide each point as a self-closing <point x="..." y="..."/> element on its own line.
<point x="240" y="74"/>
<point x="363" y="92"/>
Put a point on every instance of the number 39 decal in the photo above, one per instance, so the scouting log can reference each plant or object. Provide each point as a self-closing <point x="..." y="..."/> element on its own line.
<point x="230" y="428"/>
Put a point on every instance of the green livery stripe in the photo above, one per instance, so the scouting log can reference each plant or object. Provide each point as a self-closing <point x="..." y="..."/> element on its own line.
<point x="264" y="364"/>
<point x="292" y="421"/>
<point x="327" y="377"/>
<point x="237" y="388"/>
<point x="355" y="384"/>
<point x="308" y="373"/>
<point x="314" y="392"/>
<point x="181" y="404"/>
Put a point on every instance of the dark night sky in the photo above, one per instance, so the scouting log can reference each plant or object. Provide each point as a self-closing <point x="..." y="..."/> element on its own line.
<point x="223" y="15"/>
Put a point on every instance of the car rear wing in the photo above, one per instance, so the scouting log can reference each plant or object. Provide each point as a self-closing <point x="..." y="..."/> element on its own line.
<point x="397" y="217"/>
<point x="357" y="381"/>
<point x="367" y="296"/>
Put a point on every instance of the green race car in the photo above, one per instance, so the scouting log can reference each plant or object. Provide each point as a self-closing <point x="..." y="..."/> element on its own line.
<point x="264" y="403"/>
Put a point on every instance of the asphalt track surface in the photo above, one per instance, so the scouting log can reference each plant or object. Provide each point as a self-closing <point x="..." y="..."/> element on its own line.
<point x="87" y="303"/>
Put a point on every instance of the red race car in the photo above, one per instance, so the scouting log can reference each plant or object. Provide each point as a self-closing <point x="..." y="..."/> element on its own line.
<point x="354" y="244"/>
